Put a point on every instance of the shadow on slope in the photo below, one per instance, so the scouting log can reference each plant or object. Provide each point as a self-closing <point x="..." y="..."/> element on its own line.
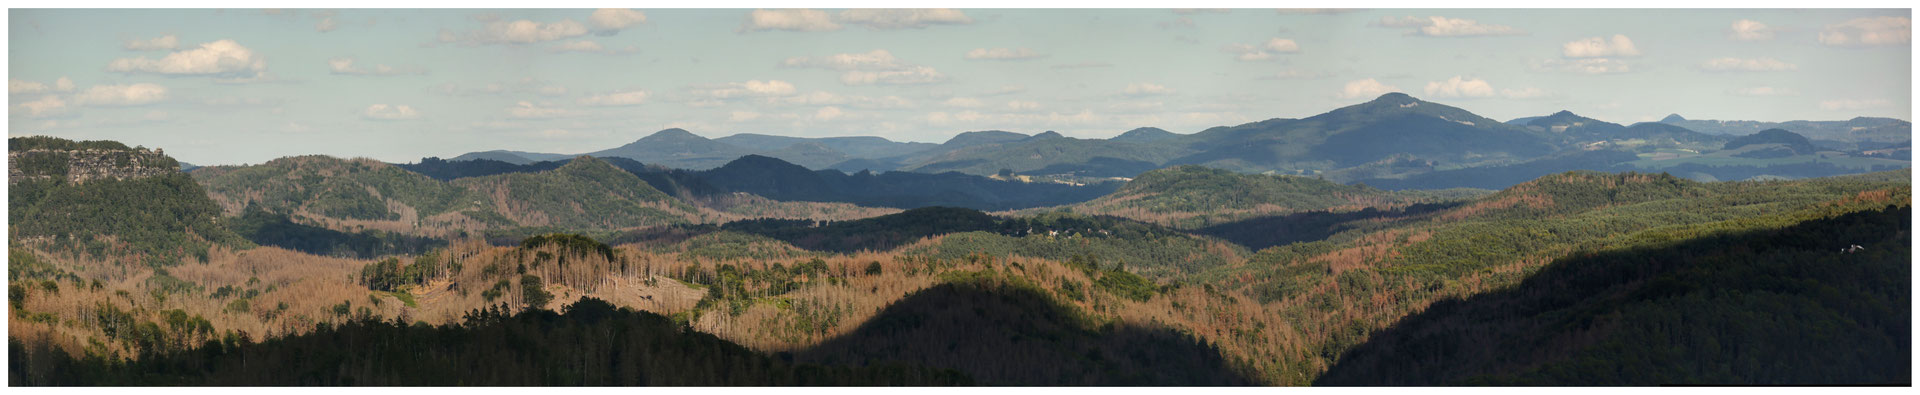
<point x="1274" y="230"/>
<point x="592" y="343"/>
<point x="1784" y="306"/>
<point x="1012" y="334"/>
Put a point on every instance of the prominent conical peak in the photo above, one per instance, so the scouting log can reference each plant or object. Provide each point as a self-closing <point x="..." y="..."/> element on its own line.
<point x="673" y="133"/>
<point x="1563" y="113"/>
<point x="1395" y="98"/>
<point x="1672" y="118"/>
<point x="1047" y="135"/>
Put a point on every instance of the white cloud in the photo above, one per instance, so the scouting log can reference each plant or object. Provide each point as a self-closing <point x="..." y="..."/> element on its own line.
<point x="1873" y="31"/>
<point x="47" y="107"/>
<point x="878" y="59"/>
<point x="1460" y="87"/>
<point x="828" y="113"/>
<point x="1737" y="64"/>
<point x="383" y="112"/>
<point x="755" y="88"/>
<point x="742" y="116"/>
<point x="1600" y="47"/>
<point x="1365" y="88"/>
<point x="527" y="85"/>
<point x="168" y="42"/>
<point x="1439" y="26"/>
<point x="609" y="21"/>
<point x="530" y="110"/>
<point x="912" y="75"/>
<point x="625" y="98"/>
<point x="1762" y="91"/>
<point x="869" y="68"/>
<point x="1749" y="30"/>
<point x="1282" y="45"/>
<point x="1584" y="66"/>
<point x="577" y="46"/>
<point x="963" y="102"/>
<point x="1853" y="104"/>
<point x="1019" y="105"/>
<point x="1146" y="89"/>
<point x="1083" y="65"/>
<point x="325" y="25"/>
<point x="224" y="58"/>
<point x="1264" y="51"/>
<point x="797" y="20"/>
<point x="1528" y="93"/>
<point x="23" y="87"/>
<point x="121" y="95"/>
<point x="1003" y="54"/>
<point x="517" y="32"/>
<point x="345" y="66"/>
<point x="916" y="18"/>
<point x="1296" y="74"/>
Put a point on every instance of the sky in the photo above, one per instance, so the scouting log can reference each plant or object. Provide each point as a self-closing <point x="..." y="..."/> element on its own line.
<point x="232" y="86"/>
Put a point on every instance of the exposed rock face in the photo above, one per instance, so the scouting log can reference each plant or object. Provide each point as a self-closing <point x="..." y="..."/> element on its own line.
<point x="80" y="166"/>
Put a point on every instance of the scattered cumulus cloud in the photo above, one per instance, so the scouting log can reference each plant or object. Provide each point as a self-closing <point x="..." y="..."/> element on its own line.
<point x="1439" y="26"/>
<point x="1854" y="104"/>
<point x="527" y="85"/>
<point x="914" y="18"/>
<point x="1464" y="87"/>
<point x="610" y="21"/>
<point x="1460" y="87"/>
<point x="224" y="58"/>
<point x="1083" y="65"/>
<point x="121" y="95"/>
<point x="1749" y="30"/>
<point x="517" y="32"/>
<point x="1296" y="74"/>
<point x="1762" y="91"/>
<point x="24" y="87"/>
<point x="1263" y="51"/>
<point x="168" y="42"/>
<point x="1868" y="32"/>
<point x="1004" y="54"/>
<point x="828" y="113"/>
<point x="810" y="20"/>
<point x="625" y="98"/>
<point x="1526" y="93"/>
<point x="1738" y="64"/>
<point x="383" y="112"/>
<point x="531" y="110"/>
<point x="796" y="20"/>
<point x="1600" y="47"/>
<point x="755" y="88"/>
<point x="1365" y="88"/>
<point x="1146" y="89"/>
<point x="963" y="102"/>
<point x="48" y="106"/>
<point x="346" y="66"/>
<point x="1584" y="66"/>
<point x="877" y="67"/>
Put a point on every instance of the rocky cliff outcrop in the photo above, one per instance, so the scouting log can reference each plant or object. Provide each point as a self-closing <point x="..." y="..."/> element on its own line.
<point x="83" y="165"/>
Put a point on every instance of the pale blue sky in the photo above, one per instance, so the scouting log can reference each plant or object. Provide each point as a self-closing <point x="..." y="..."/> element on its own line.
<point x="244" y="86"/>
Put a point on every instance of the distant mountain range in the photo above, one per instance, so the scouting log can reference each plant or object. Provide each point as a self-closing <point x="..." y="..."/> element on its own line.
<point x="1853" y="131"/>
<point x="1394" y="139"/>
